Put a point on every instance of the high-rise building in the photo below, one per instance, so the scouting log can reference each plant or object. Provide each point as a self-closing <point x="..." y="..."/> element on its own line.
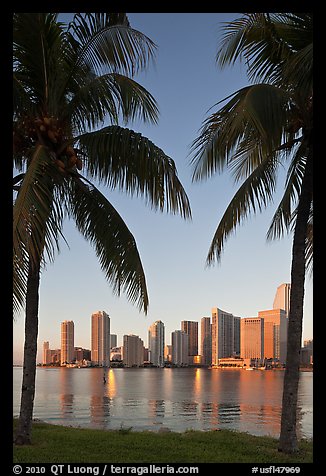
<point x="225" y="335"/>
<point x="67" y="342"/>
<point x="206" y="340"/>
<point x="46" y="348"/>
<point x="191" y="328"/>
<point x="113" y="340"/>
<point x="100" y="340"/>
<point x="132" y="351"/>
<point x="252" y="338"/>
<point x="156" y="342"/>
<point x="180" y="348"/>
<point x="168" y="353"/>
<point x="275" y="334"/>
<point x="282" y="298"/>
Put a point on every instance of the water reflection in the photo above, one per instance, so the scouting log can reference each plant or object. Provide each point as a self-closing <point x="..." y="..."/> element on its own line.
<point x="178" y="399"/>
<point x="100" y="410"/>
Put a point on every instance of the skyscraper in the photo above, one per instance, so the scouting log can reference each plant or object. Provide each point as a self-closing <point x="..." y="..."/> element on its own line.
<point x="252" y="338"/>
<point x="206" y="340"/>
<point x="180" y="350"/>
<point x="225" y="335"/>
<point x="156" y="342"/>
<point x="100" y="340"/>
<point x="191" y="328"/>
<point x="282" y="298"/>
<point x="67" y="342"/>
<point x="133" y="351"/>
<point x="46" y="348"/>
<point x="275" y="334"/>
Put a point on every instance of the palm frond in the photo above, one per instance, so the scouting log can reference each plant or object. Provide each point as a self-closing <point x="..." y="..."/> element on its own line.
<point x="254" y="117"/>
<point x="266" y="42"/>
<point x="108" y="96"/>
<point x="115" y="246"/>
<point x="253" y="195"/>
<point x="283" y="216"/>
<point x="120" y="157"/>
<point x="116" y="46"/>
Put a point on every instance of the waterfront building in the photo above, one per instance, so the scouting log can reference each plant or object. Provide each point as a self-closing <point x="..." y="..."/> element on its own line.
<point x="82" y="354"/>
<point x="225" y="335"/>
<point x="156" y="342"/>
<point x="113" y="340"/>
<point x="252" y="338"/>
<point x="275" y="334"/>
<point x="132" y="351"/>
<point x="282" y="298"/>
<point x="67" y="342"/>
<point x="168" y="353"/>
<point x="100" y="339"/>
<point x="206" y="340"/>
<point x="116" y="354"/>
<point x="46" y="354"/>
<point x="307" y="352"/>
<point x="236" y="336"/>
<point x="180" y="348"/>
<point x="191" y="328"/>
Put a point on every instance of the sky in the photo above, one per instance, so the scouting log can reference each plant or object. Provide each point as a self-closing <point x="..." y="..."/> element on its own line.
<point x="186" y="83"/>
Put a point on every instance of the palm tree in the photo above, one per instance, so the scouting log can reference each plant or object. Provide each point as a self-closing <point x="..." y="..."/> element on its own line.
<point x="67" y="81"/>
<point x="258" y="129"/>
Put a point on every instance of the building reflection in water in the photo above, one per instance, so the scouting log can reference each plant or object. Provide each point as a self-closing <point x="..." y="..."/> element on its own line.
<point x="179" y="399"/>
<point x="66" y="395"/>
<point x="111" y="384"/>
<point x="261" y="402"/>
<point x="100" y="410"/>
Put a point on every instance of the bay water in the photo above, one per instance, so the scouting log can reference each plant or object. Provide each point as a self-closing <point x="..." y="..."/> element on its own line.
<point x="176" y="399"/>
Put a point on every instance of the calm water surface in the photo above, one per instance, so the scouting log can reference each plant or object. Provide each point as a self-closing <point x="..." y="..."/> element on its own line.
<point x="177" y="399"/>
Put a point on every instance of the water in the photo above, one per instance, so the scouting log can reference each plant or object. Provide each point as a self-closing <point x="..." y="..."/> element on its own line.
<point x="175" y="399"/>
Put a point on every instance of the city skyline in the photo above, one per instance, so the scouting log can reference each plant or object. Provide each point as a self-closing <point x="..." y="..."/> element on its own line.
<point x="173" y="251"/>
<point x="231" y="334"/>
<point x="222" y="335"/>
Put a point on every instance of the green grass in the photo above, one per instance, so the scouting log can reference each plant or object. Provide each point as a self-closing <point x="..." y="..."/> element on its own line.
<point x="59" y="444"/>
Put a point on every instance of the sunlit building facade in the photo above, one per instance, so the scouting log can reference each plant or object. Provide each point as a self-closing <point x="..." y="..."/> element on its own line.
<point x="252" y="338"/>
<point x="282" y="298"/>
<point x="191" y="329"/>
<point x="100" y="340"/>
<point x="206" y="340"/>
<point x="132" y="351"/>
<point x="275" y="334"/>
<point x="225" y="335"/>
<point x="156" y="342"/>
<point x="180" y="348"/>
<point x="67" y="342"/>
<point x="46" y="353"/>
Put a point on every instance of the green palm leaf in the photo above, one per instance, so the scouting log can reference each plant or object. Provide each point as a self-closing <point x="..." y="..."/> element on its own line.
<point x="254" y="194"/>
<point x="122" y="158"/>
<point x="118" y="47"/>
<point x="115" y="246"/>
<point x="245" y="129"/>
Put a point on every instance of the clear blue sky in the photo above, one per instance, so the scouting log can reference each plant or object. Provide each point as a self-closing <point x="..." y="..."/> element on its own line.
<point x="186" y="82"/>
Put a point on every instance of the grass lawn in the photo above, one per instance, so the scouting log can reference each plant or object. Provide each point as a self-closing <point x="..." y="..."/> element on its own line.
<point x="59" y="444"/>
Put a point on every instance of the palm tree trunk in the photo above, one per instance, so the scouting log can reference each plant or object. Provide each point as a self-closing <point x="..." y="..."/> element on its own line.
<point x="288" y="436"/>
<point x="23" y="435"/>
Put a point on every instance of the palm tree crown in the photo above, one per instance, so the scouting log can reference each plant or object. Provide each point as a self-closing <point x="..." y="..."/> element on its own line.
<point x="262" y="125"/>
<point x="67" y="81"/>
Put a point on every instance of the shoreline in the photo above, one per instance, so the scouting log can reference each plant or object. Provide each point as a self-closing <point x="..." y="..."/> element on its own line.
<point x="303" y="369"/>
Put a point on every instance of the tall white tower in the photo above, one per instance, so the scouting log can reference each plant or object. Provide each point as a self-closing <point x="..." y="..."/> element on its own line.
<point x="100" y="345"/>
<point x="156" y="342"/>
<point x="67" y="342"/>
<point x="282" y="298"/>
